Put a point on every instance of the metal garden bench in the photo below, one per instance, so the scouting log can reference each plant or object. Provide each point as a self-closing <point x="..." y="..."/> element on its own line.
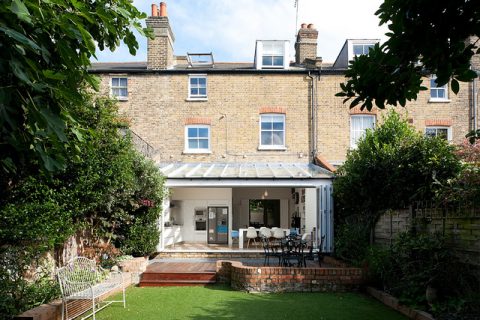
<point x="82" y="279"/>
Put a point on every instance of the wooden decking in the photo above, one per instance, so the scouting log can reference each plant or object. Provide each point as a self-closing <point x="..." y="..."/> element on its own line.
<point x="182" y="267"/>
<point x="178" y="274"/>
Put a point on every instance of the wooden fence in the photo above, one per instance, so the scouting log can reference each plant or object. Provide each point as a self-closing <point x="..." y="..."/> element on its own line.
<point x="461" y="226"/>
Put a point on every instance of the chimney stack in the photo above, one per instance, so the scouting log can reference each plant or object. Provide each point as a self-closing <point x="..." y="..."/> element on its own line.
<point x="160" y="49"/>
<point x="306" y="44"/>
<point x="163" y="9"/>
<point x="154" y="10"/>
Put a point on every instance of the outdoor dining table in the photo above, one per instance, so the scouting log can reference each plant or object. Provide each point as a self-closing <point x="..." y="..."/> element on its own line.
<point x="288" y="249"/>
<point x="292" y="248"/>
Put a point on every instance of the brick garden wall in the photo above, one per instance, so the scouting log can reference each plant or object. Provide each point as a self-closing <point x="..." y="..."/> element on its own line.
<point x="278" y="279"/>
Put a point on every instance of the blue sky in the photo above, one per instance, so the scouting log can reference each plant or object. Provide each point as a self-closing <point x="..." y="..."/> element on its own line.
<point x="229" y="28"/>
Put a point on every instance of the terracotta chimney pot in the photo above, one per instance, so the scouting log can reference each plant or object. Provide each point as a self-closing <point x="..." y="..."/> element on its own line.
<point x="303" y="25"/>
<point x="163" y="9"/>
<point x="311" y="26"/>
<point x="154" y="10"/>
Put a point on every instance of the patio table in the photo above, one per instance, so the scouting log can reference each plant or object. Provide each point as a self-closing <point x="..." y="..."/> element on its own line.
<point x="293" y="250"/>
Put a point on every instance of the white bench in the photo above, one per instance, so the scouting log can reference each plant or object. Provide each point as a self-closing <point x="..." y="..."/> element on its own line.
<point x="82" y="279"/>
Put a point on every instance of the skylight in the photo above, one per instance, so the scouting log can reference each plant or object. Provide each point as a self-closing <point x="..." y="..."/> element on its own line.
<point x="200" y="60"/>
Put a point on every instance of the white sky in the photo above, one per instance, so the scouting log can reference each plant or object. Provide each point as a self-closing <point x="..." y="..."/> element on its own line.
<point x="229" y="28"/>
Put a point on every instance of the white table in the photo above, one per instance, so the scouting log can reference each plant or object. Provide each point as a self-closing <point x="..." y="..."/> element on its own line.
<point x="241" y="231"/>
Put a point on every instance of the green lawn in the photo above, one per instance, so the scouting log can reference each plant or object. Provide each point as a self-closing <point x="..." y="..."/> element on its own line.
<point x="220" y="302"/>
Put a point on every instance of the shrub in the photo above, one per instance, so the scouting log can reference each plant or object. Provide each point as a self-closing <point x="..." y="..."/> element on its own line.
<point x="351" y="242"/>
<point x="25" y="280"/>
<point x="465" y="187"/>
<point x="102" y="196"/>
<point x="392" y="165"/>
<point x="141" y="239"/>
<point x="415" y="262"/>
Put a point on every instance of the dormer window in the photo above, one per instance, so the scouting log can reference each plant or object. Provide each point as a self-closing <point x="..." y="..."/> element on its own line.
<point x="271" y="54"/>
<point x="361" y="49"/>
<point x="353" y="48"/>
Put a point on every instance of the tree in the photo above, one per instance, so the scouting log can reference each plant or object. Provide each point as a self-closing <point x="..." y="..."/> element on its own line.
<point x="112" y="196"/>
<point x="425" y="37"/>
<point x="392" y="165"/>
<point x="45" y="53"/>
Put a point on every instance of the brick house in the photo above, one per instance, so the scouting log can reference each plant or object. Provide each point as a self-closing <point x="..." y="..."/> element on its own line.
<point x="254" y="144"/>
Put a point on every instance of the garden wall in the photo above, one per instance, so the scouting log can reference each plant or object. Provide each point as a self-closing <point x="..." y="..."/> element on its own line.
<point x="280" y="279"/>
<point x="460" y="225"/>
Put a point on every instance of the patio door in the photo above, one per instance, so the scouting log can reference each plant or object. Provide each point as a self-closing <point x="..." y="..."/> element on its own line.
<point x="218" y="225"/>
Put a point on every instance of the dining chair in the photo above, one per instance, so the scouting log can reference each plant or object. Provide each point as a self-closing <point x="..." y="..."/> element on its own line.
<point x="270" y="250"/>
<point x="278" y="233"/>
<point x="265" y="232"/>
<point x="251" y="235"/>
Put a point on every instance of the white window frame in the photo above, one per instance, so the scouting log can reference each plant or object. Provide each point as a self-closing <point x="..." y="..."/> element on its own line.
<point x="262" y="49"/>
<point x="113" y="88"/>
<point x="197" y="97"/>
<point x="272" y="146"/>
<point x="449" y="131"/>
<point x="369" y="45"/>
<point x="437" y="89"/>
<point x="273" y="54"/>
<point x="354" y="138"/>
<point x="187" y="138"/>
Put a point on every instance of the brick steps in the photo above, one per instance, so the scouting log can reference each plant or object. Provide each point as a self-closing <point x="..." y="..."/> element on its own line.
<point x="159" y="279"/>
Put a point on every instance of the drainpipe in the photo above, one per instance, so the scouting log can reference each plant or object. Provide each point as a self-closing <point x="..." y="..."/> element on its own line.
<point x="314" y="111"/>
<point x="312" y="117"/>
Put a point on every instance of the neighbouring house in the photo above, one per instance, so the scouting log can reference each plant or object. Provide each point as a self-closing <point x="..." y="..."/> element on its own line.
<point x="254" y="144"/>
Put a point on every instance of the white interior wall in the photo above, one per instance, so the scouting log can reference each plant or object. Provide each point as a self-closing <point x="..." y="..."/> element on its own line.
<point x="241" y="197"/>
<point x="186" y="200"/>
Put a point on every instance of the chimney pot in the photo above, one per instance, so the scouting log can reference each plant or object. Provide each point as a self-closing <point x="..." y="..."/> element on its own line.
<point x="304" y="25"/>
<point x="154" y="10"/>
<point x="163" y="9"/>
<point x="311" y="26"/>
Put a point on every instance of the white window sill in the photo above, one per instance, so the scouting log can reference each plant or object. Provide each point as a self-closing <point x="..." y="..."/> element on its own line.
<point x="197" y="151"/>
<point x="273" y="67"/>
<point x="120" y="98"/>
<point x="272" y="148"/>
<point x="196" y="99"/>
<point x="434" y="100"/>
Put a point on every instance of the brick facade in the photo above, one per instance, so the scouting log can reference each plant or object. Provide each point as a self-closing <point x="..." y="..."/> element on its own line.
<point x="158" y="105"/>
<point x="158" y="108"/>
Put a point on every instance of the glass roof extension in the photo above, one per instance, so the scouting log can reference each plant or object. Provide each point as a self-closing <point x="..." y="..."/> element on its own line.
<point x="243" y="171"/>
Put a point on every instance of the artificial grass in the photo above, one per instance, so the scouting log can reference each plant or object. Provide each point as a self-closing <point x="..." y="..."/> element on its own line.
<point x="220" y="302"/>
